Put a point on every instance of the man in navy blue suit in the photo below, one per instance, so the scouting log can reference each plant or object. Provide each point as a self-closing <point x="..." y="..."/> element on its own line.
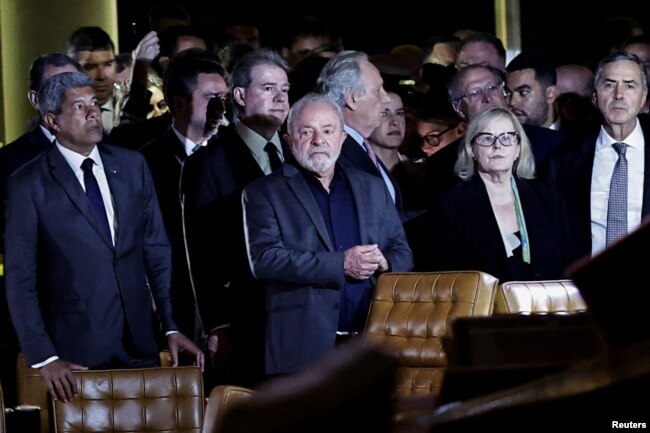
<point x="81" y="274"/>
<point x="318" y="234"/>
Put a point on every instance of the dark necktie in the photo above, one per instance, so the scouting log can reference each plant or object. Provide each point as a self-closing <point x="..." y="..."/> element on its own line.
<point x="274" y="158"/>
<point x="371" y="152"/>
<point x="95" y="197"/>
<point x="617" y="205"/>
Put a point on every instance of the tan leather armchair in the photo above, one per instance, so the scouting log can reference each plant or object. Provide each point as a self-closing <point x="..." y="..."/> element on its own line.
<point x="32" y="391"/>
<point x="222" y="400"/>
<point x="138" y="400"/>
<point x="411" y="313"/>
<point x="538" y="297"/>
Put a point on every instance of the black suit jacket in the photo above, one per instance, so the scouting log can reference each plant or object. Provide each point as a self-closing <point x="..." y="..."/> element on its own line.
<point x="463" y="233"/>
<point x="353" y="155"/>
<point x="569" y="172"/>
<point x="543" y="141"/>
<point x="212" y="182"/>
<point x="71" y="293"/>
<point x="165" y="157"/>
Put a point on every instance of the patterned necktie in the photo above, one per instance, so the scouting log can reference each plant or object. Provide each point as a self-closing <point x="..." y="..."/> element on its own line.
<point x="274" y="158"/>
<point x="617" y="205"/>
<point x="95" y="197"/>
<point x="371" y="152"/>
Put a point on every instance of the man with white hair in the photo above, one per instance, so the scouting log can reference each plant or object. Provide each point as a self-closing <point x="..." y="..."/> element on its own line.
<point x="318" y="234"/>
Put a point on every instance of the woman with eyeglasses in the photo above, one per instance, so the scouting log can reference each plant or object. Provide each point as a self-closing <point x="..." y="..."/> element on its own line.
<point x="498" y="219"/>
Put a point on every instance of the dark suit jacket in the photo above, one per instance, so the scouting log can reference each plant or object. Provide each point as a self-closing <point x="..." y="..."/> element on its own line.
<point x="211" y="185"/>
<point x="353" y="155"/>
<point x="165" y="157"/>
<point x="543" y="141"/>
<point x="291" y="253"/>
<point x="463" y="232"/>
<point x="70" y="292"/>
<point x="569" y="172"/>
<point x="26" y="147"/>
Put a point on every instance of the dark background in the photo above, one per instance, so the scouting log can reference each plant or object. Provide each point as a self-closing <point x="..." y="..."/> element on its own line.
<point x="573" y="36"/>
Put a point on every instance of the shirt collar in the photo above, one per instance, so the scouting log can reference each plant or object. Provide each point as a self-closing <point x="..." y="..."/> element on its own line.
<point x="75" y="159"/>
<point x="188" y="144"/>
<point x="356" y="135"/>
<point x="255" y="141"/>
<point x="47" y="133"/>
<point x="634" y="140"/>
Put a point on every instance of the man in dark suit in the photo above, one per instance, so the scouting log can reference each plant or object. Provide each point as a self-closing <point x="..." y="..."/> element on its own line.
<point x="38" y="138"/>
<point x="318" y="234"/>
<point x="12" y="156"/>
<point x="583" y="173"/>
<point x="229" y="299"/>
<point x="196" y="89"/>
<point x="86" y="249"/>
<point x="355" y="84"/>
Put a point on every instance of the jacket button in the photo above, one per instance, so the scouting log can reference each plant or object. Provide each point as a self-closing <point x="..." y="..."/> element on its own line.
<point x="337" y="306"/>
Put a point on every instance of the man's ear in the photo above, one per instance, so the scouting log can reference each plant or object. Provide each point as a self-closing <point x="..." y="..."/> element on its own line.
<point x="350" y="100"/>
<point x="551" y="94"/>
<point x="32" y="95"/>
<point x="287" y="138"/>
<point x="51" y="122"/>
<point x="239" y="96"/>
<point x="456" y="106"/>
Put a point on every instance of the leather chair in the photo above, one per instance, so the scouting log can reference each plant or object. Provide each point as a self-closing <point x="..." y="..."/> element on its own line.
<point x="538" y="297"/>
<point x="32" y="391"/>
<point x="137" y="400"/>
<point x="411" y="313"/>
<point x="222" y="400"/>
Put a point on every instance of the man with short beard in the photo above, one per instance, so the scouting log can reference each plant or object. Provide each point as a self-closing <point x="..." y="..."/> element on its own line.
<point x="318" y="235"/>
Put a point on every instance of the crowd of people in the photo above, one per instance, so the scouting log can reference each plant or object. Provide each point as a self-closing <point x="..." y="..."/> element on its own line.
<point x="198" y="202"/>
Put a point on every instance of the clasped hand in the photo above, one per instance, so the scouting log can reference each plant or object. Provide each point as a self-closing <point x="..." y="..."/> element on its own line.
<point x="363" y="261"/>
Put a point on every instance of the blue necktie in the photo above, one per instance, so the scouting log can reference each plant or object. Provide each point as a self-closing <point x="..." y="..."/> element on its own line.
<point x="617" y="205"/>
<point x="95" y="197"/>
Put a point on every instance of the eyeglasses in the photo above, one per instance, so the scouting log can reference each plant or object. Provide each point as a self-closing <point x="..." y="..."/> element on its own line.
<point x="476" y="95"/>
<point x="486" y="139"/>
<point x="433" y="138"/>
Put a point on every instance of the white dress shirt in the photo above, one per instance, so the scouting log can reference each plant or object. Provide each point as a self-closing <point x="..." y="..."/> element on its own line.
<point x="605" y="159"/>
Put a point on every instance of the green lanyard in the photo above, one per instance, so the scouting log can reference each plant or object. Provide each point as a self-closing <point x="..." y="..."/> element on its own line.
<point x="525" y="246"/>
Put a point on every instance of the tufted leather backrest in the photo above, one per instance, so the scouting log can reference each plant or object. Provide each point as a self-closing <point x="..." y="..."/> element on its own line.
<point x="155" y="400"/>
<point x="538" y="297"/>
<point x="411" y="313"/>
<point x="32" y="391"/>
<point x="223" y="398"/>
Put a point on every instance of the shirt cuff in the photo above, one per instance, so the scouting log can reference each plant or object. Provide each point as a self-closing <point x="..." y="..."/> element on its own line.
<point x="168" y="333"/>
<point x="47" y="361"/>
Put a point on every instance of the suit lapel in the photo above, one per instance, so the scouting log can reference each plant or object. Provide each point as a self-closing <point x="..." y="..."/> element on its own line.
<point x="118" y="184"/>
<point x="300" y="188"/>
<point x="65" y="177"/>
